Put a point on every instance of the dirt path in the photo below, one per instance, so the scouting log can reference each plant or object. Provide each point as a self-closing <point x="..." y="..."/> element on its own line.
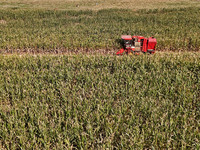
<point x="102" y="52"/>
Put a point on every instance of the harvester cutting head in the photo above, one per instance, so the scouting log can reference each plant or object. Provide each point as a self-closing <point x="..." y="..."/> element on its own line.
<point x="137" y="44"/>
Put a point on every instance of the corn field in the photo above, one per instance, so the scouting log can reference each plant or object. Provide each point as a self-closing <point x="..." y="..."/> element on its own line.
<point x="47" y="30"/>
<point x="61" y="87"/>
<point x="99" y="102"/>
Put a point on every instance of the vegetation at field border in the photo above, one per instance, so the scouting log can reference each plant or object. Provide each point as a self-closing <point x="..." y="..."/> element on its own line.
<point x="97" y="4"/>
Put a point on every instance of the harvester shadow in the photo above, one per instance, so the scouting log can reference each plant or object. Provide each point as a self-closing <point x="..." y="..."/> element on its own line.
<point x="119" y="42"/>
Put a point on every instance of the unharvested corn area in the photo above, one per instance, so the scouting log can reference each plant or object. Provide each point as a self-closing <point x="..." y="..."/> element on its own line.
<point x="39" y="30"/>
<point x="86" y="102"/>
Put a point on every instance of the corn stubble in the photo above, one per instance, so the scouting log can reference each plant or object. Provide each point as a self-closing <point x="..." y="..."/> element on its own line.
<point x="98" y="102"/>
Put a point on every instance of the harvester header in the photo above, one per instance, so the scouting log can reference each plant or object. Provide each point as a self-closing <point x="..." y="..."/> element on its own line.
<point x="137" y="44"/>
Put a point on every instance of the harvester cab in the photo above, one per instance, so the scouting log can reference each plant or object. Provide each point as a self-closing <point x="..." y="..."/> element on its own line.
<point x="127" y="41"/>
<point x="137" y="44"/>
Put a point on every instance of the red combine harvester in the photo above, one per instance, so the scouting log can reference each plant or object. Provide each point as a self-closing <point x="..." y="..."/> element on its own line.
<point x="137" y="44"/>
